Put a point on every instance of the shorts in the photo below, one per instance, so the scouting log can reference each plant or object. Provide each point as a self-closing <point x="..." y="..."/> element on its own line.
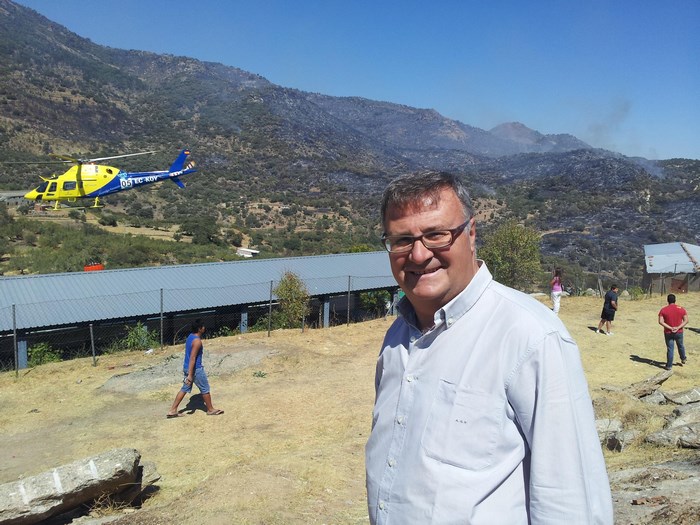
<point x="607" y="315"/>
<point x="200" y="379"/>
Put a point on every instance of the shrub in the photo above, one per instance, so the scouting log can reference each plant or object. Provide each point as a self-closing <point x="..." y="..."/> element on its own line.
<point x="375" y="301"/>
<point x="294" y="301"/>
<point x="107" y="220"/>
<point x="42" y="353"/>
<point x="226" y="331"/>
<point x="137" y="338"/>
<point x="636" y="293"/>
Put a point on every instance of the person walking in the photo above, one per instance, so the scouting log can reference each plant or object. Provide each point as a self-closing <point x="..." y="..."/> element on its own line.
<point x="673" y="318"/>
<point x="194" y="373"/>
<point x="557" y="289"/>
<point x="607" y="316"/>
<point x="482" y="413"/>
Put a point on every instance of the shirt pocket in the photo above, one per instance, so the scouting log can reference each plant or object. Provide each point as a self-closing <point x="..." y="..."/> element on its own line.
<point x="463" y="427"/>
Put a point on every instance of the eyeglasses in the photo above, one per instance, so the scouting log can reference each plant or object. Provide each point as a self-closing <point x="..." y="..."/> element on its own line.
<point x="431" y="240"/>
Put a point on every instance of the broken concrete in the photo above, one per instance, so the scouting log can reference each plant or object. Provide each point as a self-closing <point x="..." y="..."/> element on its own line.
<point x="33" y="499"/>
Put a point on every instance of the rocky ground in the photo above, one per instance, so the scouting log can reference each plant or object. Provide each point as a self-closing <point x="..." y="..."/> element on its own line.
<point x="289" y="448"/>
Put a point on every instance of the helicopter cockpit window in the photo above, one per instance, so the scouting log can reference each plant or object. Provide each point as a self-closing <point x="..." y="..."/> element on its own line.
<point x="52" y="187"/>
<point x="69" y="185"/>
<point x="41" y="188"/>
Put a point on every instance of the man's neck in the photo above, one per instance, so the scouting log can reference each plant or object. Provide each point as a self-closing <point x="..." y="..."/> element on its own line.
<point x="425" y="319"/>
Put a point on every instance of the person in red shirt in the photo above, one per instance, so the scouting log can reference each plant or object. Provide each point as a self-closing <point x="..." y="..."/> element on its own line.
<point x="673" y="318"/>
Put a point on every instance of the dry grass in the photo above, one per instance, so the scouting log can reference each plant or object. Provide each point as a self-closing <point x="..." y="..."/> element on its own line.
<point x="290" y="447"/>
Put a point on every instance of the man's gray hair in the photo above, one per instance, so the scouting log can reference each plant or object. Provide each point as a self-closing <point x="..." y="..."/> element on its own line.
<point x="408" y="189"/>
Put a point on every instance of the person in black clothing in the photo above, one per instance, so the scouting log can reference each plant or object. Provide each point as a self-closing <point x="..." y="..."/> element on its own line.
<point x="609" y="308"/>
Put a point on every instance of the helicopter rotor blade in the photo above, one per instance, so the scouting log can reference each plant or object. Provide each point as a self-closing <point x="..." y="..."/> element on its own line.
<point x="120" y="156"/>
<point x="25" y="162"/>
<point x="67" y="159"/>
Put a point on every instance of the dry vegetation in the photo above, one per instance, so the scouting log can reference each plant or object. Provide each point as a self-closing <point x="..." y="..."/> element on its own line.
<point x="290" y="447"/>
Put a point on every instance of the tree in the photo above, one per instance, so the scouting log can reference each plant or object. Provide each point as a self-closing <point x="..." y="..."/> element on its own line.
<point x="512" y="253"/>
<point x="203" y="229"/>
<point x="294" y="301"/>
<point x="375" y="301"/>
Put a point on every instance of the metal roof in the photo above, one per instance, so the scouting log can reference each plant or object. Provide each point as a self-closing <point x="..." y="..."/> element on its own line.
<point x="70" y="298"/>
<point x="672" y="257"/>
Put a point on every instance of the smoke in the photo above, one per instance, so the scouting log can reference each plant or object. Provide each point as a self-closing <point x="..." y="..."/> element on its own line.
<point x="603" y="133"/>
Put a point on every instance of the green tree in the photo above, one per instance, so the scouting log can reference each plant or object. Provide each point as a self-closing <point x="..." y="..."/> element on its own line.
<point x="293" y="299"/>
<point x="202" y="229"/>
<point x="375" y="301"/>
<point x="512" y="253"/>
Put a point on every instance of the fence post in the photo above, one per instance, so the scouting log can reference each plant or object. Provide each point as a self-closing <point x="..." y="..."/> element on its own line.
<point x="92" y="344"/>
<point x="161" y="319"/>
<point x="269" y="312"/>
<point x="349" y="285"/>
<point x="14" y="339"/>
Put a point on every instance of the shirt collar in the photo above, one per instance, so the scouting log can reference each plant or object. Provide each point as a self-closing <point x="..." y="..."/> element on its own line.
<point x="458" y="306"/>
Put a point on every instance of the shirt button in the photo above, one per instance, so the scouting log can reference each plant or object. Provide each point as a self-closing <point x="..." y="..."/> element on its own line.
<point x="412" y="339"/>
<point x="382" y="505"/>
<point x="409" y="378"/>
<point x="400" y="420"/>
<point x="392" y="462"/>
<point x="450" y="321"/>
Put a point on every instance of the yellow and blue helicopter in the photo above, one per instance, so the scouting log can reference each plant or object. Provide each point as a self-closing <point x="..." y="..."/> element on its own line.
<point x="88" y="180"/>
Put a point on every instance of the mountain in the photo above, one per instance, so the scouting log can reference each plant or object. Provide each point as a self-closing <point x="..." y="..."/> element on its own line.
<point x="298" y="172"/>
<point x="535" y="142"/>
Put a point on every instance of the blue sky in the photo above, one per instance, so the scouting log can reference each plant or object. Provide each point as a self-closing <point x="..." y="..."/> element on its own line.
<point x="621" y="75"/>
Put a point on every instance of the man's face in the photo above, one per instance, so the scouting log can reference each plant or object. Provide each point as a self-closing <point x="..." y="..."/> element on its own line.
<point x="432" y="278"/>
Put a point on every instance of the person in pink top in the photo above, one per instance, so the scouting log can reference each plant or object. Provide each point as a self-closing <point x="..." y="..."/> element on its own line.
<point x="673" y="318"/>
<point x="557" y="289"/>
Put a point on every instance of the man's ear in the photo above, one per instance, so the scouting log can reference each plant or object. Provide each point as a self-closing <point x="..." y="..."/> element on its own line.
<point x="471" y="229"/>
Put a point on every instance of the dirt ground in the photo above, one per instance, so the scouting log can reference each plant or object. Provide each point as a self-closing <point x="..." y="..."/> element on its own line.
<point x="290" y="447"/>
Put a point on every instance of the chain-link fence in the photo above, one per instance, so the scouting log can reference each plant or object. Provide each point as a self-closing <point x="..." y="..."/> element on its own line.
<point x="37" y="332"/>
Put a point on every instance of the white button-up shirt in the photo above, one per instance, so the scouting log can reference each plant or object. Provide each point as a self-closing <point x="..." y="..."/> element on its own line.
<point x="484" y="419"/>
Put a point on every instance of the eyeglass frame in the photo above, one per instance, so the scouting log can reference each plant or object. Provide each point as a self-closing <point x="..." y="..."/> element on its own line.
<point x="454" y="233"/>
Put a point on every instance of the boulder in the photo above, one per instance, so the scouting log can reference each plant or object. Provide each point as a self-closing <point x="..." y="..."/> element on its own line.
<point x="685" y="436"/>
<point x="657" y="398"/>
<point x="33" y="499"/>
<point x="684" y="415"/>
<point x="684" y="398"/>
<point x="607" y="428"/>
<point x="146" y="478"/>
<point x="617" y="441"/>
<point x="648" y="386"/>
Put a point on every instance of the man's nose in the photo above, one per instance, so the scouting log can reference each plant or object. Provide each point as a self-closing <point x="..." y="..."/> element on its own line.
<point x="419" y="253"/>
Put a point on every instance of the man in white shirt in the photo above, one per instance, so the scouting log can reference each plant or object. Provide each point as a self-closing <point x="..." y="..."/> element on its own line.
<point x="482" y="412"/>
